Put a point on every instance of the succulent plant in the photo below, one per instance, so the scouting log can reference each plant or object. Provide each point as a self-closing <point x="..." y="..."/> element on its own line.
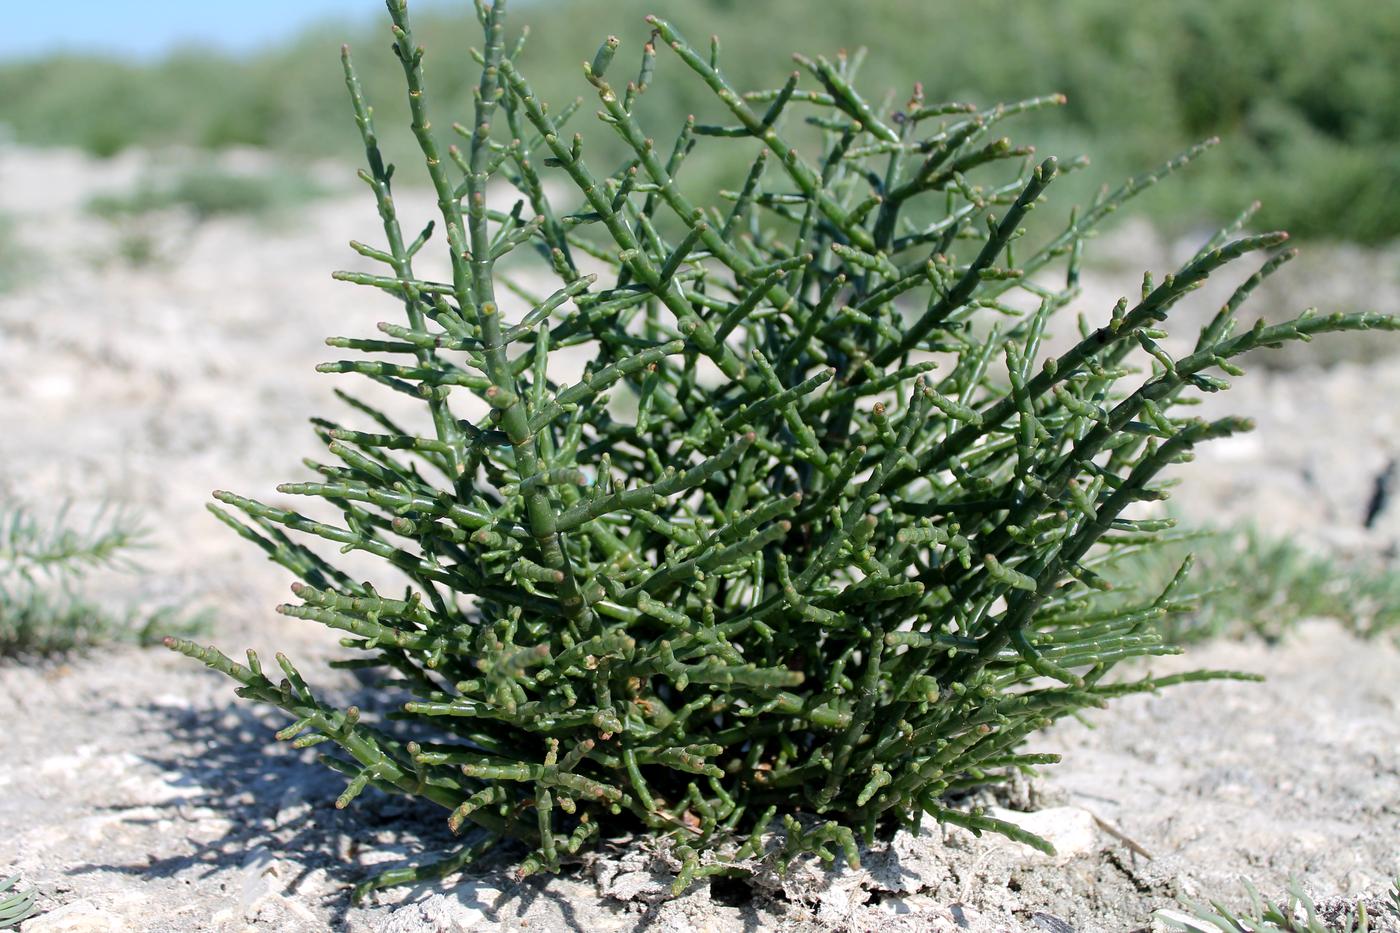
<point x="15" y="906"/>
<point x="813" y="537"/>
<point x="1297" y="913"/>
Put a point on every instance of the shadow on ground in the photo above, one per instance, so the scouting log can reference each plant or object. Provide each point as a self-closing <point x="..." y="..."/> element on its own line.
<point x="277" y="833"/>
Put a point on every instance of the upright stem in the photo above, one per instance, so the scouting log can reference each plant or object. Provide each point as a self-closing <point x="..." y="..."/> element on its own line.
<point x="515" y="418"/>
<point x="378" y="177"/>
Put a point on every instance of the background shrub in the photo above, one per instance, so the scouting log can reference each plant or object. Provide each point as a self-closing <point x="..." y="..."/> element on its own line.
<point x="1301" y="92"/>
<point x="206" y="192"/>
<point x="1247" y="582"/>
<point x="43" y="608"/>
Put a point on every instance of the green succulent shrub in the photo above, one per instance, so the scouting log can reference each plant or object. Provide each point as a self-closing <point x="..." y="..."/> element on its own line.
<point x="829" y="556"/>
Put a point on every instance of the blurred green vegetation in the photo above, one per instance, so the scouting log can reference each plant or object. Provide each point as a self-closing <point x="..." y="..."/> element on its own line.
<point x="1302" y="92"/>
<point x="209" y="192"/>
<point x="13" y="256"/>
<point x="1247" y="583"/>
<point x="44" y="611"/>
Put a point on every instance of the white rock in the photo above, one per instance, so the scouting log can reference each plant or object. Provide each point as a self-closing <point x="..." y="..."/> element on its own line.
<point x="1070" y="830"/>
<point x="67" y="765"/>
<point x="171" y="701"/>
<point x="293" y="806"/>
<point x="264" y="884"/>
<point x="161" y="788"/>
<point x="56" y="386"/>
<point x="465" y="909"/>
<point x="912" y="863"/>
<point x="923" y="913"/>
<point x="77" y="917"/>
<point x="638" y="886"/>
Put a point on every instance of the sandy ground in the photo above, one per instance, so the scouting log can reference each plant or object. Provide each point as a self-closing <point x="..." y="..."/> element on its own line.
<point x="136" y="793"/>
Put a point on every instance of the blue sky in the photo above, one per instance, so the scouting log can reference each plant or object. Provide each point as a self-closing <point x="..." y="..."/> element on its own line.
<point x="147" y="28"/>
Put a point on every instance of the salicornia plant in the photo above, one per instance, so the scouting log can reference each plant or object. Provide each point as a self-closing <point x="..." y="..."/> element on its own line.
<point x="828" y="556"/>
